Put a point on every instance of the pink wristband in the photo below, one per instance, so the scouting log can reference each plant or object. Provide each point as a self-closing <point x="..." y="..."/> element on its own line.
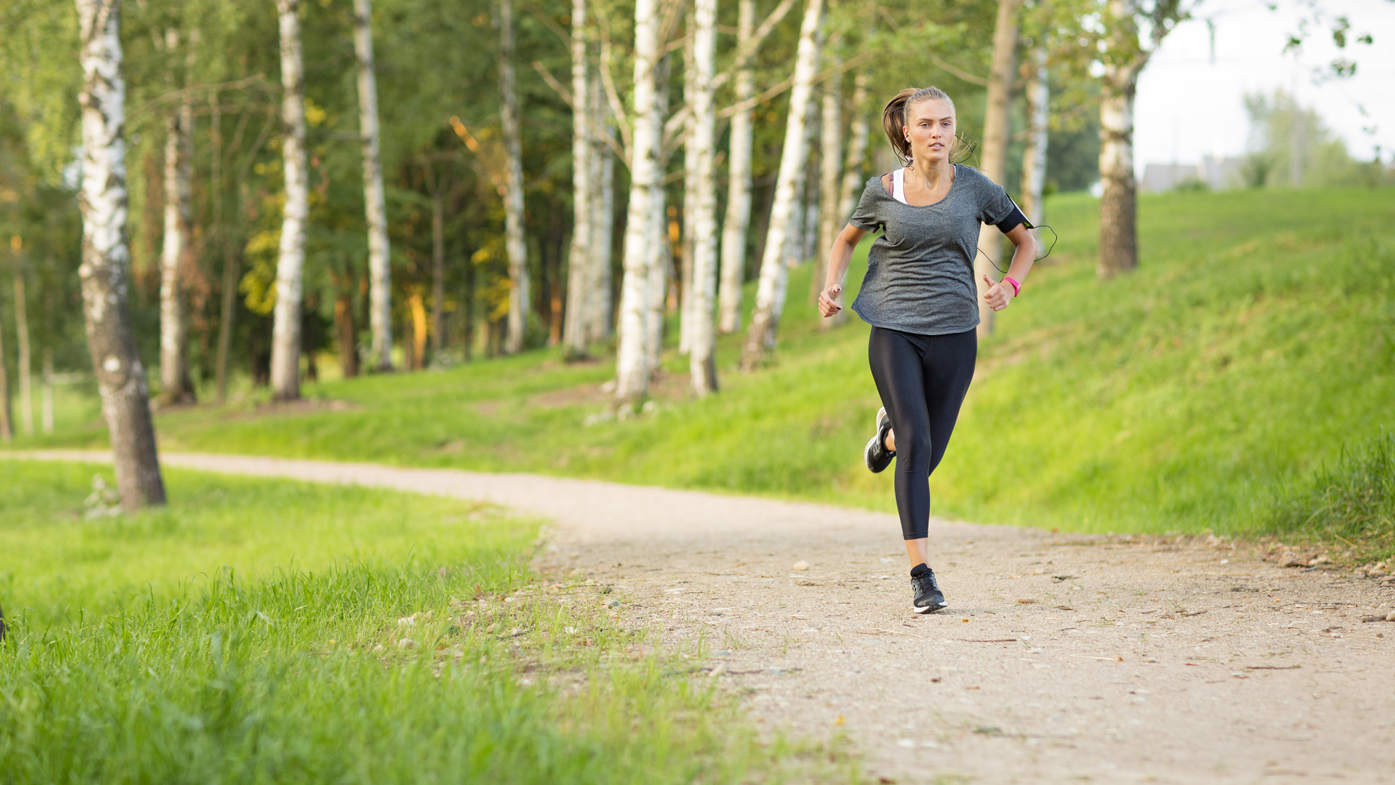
<point x="1016" y="287"/>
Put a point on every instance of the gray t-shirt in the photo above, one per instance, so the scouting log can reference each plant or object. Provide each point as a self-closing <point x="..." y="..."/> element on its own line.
<point x="920" y="272"/>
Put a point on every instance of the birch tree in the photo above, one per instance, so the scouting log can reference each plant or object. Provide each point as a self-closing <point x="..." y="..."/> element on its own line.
<point x="175" y="385"/>
<point x="1124" y="58"/>
<point x="121" y="379"/>
<point x="632" y="366"/>
<point x="773" y="273"/>
<point x="659" y="250"/>
<point x="580" y="276"/>
<point x="702" y="361"/>
<point x="851" y="188"/>
<point x="600" y="304"/>
<point x="830" y="179"/>
<point x="290" y="263"/>
<point x="1038" y="118"/>
<point x="379" y="254"/>
<point x="995" y="143"/>
<point x="738" y="217"/>
<point x="514" y="244"/>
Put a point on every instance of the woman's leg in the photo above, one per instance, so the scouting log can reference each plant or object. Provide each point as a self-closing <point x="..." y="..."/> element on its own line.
<point x="898" y="370"/>
<point x="948" y="365"/>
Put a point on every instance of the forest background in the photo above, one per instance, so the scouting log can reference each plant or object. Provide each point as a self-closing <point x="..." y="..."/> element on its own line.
<point x="205" y="100"/>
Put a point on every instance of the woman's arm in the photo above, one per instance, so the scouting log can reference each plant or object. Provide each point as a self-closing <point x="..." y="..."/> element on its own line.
<point x="838" y="258"/>
<point x="1000" y="294"/>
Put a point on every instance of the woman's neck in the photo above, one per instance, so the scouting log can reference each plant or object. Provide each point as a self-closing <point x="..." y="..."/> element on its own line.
<point x="933" y="172"/>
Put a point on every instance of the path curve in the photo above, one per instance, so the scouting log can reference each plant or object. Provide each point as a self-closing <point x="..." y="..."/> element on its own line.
<point x="1060" y="659"/>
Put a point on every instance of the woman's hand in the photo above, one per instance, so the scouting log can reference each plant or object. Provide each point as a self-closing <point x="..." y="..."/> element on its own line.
<point x="998" y="295"/>
<point x="827" y="298"/>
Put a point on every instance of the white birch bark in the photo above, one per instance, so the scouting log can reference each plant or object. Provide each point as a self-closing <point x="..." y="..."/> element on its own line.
<point x="993" y="161"/>
<point x="26" y="360"/>
<point x="580" y="275"/>
<point x="600" y="308"/>
<point x="514" y="243"/>
<point x="690" y="164"/>
<point x="659" y="249"/>
<point x="738" y="218"/>
<point x="290" y="263"/>
<point x="857" y="150"/>
<point x="379" y="254"/>
<point x="850" y="190"/>
<point x="121" y="379"/>
<point x="632" y="365"/>
<point x="702" y="363"/>
<point x="773" y="273"/>
<point x="175" y="386"/>
<point x="1118" y="243"/>
<point x="1034" y="157"/>
<point x="830" y="178"/>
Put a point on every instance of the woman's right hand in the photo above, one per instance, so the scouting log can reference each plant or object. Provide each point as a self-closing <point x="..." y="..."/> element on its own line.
<point x="827" y="301"/>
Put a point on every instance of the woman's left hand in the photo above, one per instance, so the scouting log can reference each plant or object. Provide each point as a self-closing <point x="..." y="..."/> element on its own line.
<point x="998" y="295"/>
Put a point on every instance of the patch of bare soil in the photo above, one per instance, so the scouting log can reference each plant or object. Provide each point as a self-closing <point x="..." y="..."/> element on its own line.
<point x="1060" y="658"/>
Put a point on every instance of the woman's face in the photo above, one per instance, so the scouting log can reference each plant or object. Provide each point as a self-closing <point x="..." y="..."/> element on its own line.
<point x="931" y="130"/>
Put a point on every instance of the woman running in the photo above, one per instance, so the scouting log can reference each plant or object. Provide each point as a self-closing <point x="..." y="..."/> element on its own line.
<point x="920" y="297"/>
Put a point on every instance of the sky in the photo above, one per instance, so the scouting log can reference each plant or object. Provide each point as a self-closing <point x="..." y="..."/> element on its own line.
<point x="1188" y="107"/>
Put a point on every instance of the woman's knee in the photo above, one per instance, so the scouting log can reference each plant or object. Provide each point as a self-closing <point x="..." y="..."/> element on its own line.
<point x="913" y="446"/>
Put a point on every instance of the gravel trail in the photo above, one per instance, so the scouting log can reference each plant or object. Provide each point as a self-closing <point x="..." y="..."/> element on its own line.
<point x="1061" y="658"/>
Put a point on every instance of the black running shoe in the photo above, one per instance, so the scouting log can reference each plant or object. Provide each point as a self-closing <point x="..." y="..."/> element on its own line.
<point x="928" y="596"/>
<point x="876" y="455"/>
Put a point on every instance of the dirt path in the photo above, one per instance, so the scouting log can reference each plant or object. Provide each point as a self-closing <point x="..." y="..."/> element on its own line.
<point x="1060" y="659"/>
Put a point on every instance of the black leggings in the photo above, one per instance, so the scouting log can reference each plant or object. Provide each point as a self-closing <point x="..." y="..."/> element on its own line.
<point x="922" y="380"/>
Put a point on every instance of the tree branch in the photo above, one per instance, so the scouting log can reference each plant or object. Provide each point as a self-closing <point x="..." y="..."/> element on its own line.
<point x="745" y="55"/>
<point x="757" y="100"/>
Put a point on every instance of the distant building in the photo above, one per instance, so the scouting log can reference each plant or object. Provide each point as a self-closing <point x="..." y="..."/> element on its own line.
<point x="1214" y="172"/>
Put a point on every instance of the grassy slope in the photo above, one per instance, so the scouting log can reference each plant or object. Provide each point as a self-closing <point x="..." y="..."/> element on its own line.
<point x="1255" y="338"/>
<point x="249" y="633"/>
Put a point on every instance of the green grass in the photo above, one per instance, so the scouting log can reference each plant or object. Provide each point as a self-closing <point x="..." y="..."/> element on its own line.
<point x="269" y="631"/>
<point x="1352" y="501"/>
<point x="1256" y="338"/>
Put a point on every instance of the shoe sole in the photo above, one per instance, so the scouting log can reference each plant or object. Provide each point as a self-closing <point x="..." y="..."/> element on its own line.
<point x="919" y="609"/>
<point x="876" y="434"/>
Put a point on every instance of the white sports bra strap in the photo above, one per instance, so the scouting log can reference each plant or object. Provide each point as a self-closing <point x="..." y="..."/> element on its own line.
<point x="898" y="186"/>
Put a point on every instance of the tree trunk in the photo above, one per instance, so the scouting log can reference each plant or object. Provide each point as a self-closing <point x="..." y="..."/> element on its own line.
<point x="738" y="217"/>
<point x="773" y="272"/>
<point x="121" y="379"/>
<point x="659" y="250"/>
<point x="379" y="255"/>
<point x="229" y="291"/>
<point x="993" y="162"/>
<point x="175" y="385"/>
<point x="579" y="259"/>
<point x="851" y="188"/>
<point x="438" y="274"/>
<point x="702" y="359"/>
<point x="46" y="420"/>
<point x="830" y="180"/>
<point x="1118" y="244"/>
<point x="7" y="425"/>
<point x="632" y="365"/>
<point x="600" y="307"/>
<point x="344" y="333"/>
<point x="26" y="382"/>
<point x="285" y="338"/>
<point x="1038" y="119"/>
<point x="690" y="176"/>
<point x="514" y="243"/>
